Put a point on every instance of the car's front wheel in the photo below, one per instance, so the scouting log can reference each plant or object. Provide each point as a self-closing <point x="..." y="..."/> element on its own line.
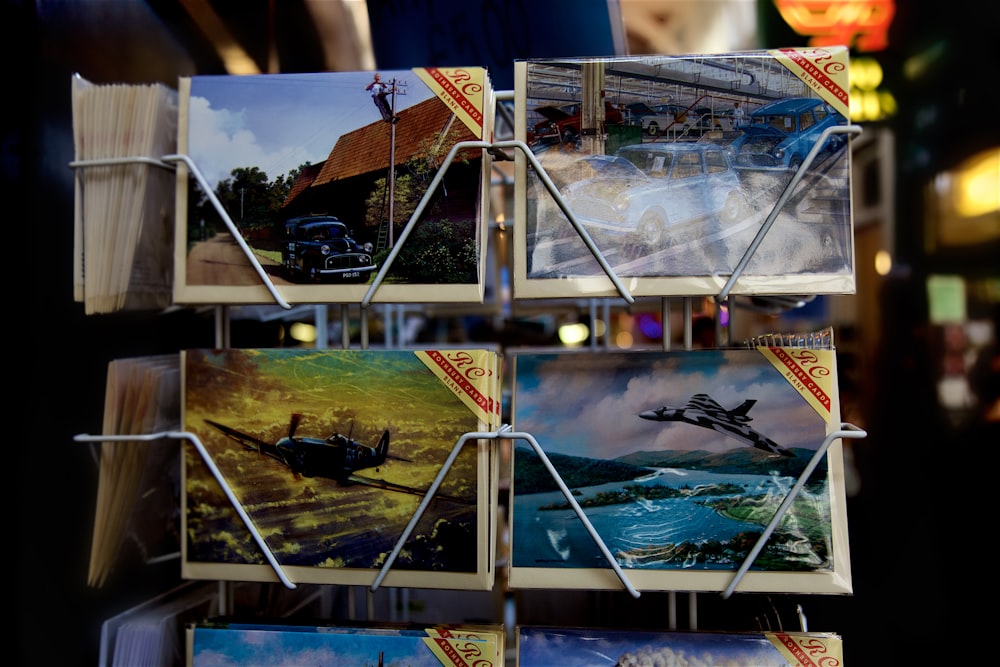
<point x="314" y="275"/>
<point x="649" y="233"/>
<point x="736" y="207"/>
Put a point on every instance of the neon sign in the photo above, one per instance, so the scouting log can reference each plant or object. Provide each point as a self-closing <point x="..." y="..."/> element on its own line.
<point x="861" y="24"/>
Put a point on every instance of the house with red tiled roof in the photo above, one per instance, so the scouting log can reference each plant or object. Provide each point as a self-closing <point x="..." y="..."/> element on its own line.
<point x="307" y="174"/>
<point x="423" y="136"/>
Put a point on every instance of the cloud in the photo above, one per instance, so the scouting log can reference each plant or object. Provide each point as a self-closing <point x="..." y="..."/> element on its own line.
<point x="220" y="140"/>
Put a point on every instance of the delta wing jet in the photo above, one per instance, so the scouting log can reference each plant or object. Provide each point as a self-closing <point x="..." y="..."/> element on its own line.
<point x="702" y="410"/>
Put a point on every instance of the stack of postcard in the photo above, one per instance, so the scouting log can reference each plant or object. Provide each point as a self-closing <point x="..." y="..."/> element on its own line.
<point x="332" y="454"/>
<point x="685" y="173"/>
<point x="323" y="184"/>
<point x="124" y="203"/>
<point x="136" y="516"/>
<point x="576" y="647"/>
<point x="249" y="644"/>
<point x="679" y="461"/>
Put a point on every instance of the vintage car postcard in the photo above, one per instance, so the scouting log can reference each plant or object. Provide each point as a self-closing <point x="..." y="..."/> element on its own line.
<point x="689" y="175"/>
<point x="679" y="461"/>
<point x="330" y="454"/>
<point x="577" y="647"/>
<point x="341" y="186"/>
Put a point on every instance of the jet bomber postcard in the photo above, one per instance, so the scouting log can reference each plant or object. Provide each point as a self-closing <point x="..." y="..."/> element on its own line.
<point x="330" y="454"/>
<point x="686" y="173"/>
<point x="679" y="461"/>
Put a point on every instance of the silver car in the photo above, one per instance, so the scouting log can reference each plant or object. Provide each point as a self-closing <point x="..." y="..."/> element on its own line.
<point x="661" y="194"/>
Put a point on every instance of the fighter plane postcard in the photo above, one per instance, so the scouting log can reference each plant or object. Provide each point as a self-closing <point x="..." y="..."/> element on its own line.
<point x="330" y="454"/>
<point x="685" y="172"/>
<point x="679" y="461"/>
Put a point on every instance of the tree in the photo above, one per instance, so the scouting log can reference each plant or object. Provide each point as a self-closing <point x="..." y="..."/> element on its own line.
<point x="251" y="201"/>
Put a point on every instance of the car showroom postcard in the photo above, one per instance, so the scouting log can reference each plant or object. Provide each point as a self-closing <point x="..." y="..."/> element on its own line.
<point x="684" y="175"/>
<point x="333" y="187"/>
<point x="331" y="454"/>
<point x="679" y="461"/>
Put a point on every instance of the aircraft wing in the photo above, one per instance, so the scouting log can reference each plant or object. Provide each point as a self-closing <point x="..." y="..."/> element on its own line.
<point x="248" y="440"/>
<point x="704" y="402"/>
<point x="713" y="409"/>
<point x="391" y="486"/>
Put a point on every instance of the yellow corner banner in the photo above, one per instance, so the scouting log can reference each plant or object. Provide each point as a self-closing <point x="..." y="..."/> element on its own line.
<point x="808" y="650"/>
<point x="463" y="89"/>
<point x="471" y="374"/>
<point x="811" y="372"/>
<point x="824" y="69"/>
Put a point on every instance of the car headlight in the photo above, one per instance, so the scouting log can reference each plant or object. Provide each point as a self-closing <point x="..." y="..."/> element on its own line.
<point x="324" y="249"/>
<point x="779" y="153"/>
<point x="621" y="203"/>
<point x="368" y="247"/>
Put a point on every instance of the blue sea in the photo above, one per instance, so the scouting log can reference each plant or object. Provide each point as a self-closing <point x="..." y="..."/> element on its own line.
<point x="558" y="538"/>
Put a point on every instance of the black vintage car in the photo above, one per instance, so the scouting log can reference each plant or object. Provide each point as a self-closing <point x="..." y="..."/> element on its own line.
<point x="320" y="248"/>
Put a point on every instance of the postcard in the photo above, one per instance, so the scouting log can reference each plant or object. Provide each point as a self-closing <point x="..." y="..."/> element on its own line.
<point x="577" y="647"/>
<point x="330" y="453"/>
<point x="334" y="181"/>
<point x="688" y="175"/>
<point x="247" y="644"/>
<point x="679" y="461"/>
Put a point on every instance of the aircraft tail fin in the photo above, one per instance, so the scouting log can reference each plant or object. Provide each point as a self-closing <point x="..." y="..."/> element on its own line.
<point x="382" y="448"/>
<point x="743" y="408"/>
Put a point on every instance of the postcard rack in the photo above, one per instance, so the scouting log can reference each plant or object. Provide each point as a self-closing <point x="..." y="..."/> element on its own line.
<point x="496" y="149"/>
<point x="847" y="431"/>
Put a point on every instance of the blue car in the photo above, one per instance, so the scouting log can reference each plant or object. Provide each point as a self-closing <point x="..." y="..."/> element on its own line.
<point x="320" y="248"/>
<point x="779" y="135"/>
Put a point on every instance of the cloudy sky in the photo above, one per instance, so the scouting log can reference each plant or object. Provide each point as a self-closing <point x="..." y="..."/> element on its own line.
<point x="588" y="405"/>
<point x="277" y="122"/>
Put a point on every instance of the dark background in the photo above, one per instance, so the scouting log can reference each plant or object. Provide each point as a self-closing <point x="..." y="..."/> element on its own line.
<point x="919" y="526"/>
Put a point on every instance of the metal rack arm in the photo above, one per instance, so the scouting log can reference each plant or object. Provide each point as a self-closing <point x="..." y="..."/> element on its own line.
<point x="568" y="212"/>
<point x="847" y="431"/>
<point x="492" y="148"/>
<point x="266" y="279"/>
<point x="505" y="433"/>
<point x="785" y="195"/>
<point x="207" y="458"/>
<point x="431" y="189"/>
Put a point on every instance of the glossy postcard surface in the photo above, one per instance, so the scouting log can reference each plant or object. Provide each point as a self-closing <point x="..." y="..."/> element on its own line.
<point x="214" y="644"/>
<point x="688" y="174"/>
<point x="679" y="461"/>
<point x="282" y="153"/>
<point x="575" y="647"/>
<point x="330" y="453"/>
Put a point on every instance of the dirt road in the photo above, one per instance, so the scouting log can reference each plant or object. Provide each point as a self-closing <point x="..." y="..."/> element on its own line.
<point x="221" y="261"/>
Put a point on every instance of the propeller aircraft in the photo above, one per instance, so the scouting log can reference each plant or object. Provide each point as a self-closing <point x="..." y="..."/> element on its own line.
<point x="702" y="410"/>
<point x="337" y="457"/>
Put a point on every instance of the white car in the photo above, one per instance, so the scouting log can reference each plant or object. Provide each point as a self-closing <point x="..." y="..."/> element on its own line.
<point x="661" y="194"/>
